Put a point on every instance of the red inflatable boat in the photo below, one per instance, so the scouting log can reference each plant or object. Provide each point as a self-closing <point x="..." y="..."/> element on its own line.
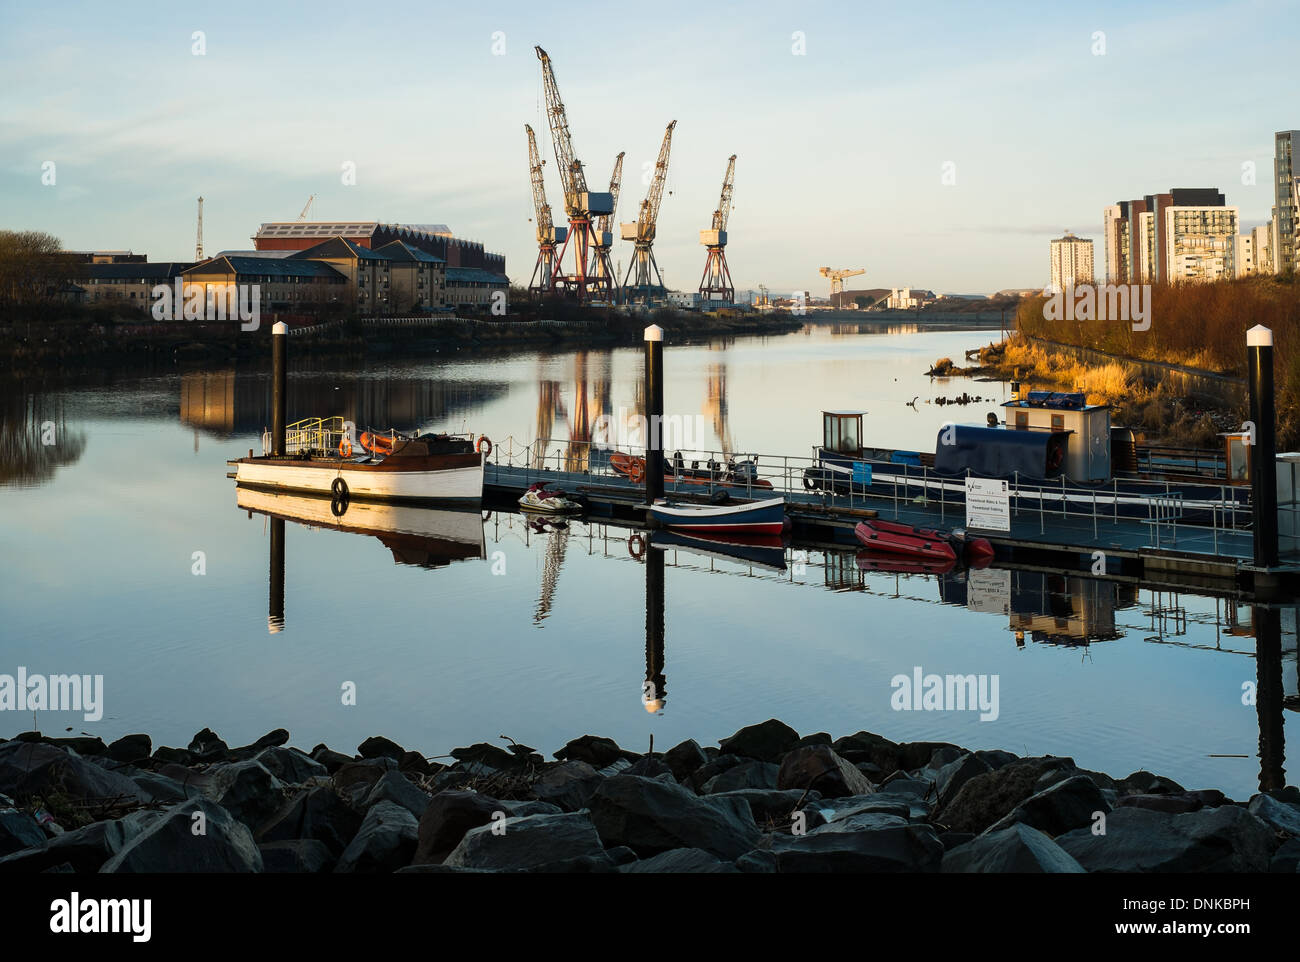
<point x="923" y="543"/>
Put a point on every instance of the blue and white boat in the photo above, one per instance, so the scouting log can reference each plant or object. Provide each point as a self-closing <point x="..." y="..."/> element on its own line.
<point x="750" y="517"/>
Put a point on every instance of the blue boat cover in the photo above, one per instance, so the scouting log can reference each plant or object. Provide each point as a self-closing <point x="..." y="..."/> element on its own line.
<point x="999" y="452"/>
<point x="1061" y="400"/>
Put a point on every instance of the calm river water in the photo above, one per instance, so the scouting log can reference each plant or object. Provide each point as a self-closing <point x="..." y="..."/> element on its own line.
<point x="124" y="552"/>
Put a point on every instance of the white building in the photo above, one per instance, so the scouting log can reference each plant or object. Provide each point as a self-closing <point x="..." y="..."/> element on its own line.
<point x="1262" y="242"/>
<point x="1200" y="243"/>
<point x="1286" y="206"/>
<point x="1071" y="262"/>
<point x="906" y="299"/>
<point x="688" y="300"/>
<point x="1246" y="265"/>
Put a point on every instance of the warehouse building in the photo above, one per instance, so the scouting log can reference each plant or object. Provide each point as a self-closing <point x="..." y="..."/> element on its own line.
<point x="435" y="239"/>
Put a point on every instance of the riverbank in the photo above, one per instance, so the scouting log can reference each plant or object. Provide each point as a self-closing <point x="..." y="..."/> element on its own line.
<point x="764" y="800"/>
<point x="27" y="350"/>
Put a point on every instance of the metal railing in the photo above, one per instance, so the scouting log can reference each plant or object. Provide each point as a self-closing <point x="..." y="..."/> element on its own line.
<point x="1217" y="508"/>
<point x="309" y="436"/>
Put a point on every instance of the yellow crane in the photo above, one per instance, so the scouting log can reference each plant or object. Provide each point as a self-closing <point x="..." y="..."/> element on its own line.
<point x="649" y="282"/>
<point x="837" y="279"/>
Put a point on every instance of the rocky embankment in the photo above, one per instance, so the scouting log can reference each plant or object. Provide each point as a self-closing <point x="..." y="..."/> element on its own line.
<point x="764" y="800"/>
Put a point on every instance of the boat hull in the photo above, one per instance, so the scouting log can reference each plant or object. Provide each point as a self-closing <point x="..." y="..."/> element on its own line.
<point x="922" y="545"/>
<point x="443" y="479"/>
<point x="755" y="517"/>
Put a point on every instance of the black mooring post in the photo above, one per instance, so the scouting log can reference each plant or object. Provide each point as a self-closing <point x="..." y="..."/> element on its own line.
<point x="654" y="397"/>
<point x="1263" y="450"/>
<point x="275" y="612"/>
<point x="279" y="366"/>
<point x="655" y="690"/>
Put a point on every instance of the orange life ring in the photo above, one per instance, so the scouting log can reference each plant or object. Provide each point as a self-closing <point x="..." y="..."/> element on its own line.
<point x="636" y="547"/>
<point x="484" y="445"/>
<point x="345" y="448"/>
<point x="636" y="470"/>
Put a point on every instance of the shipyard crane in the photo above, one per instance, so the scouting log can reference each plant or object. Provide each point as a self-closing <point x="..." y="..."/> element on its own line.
<point x="837" y="280"/>
<point x="717" y="276"/>
<point x="643" y="231"/>
<point x="601" y="267"/>
<point x="307" y="207"/>
<point x="548" y="234"/>
<point x="579" y="204"/>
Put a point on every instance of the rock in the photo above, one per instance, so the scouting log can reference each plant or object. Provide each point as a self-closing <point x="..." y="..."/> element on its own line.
<point x="894" y="847"/>
<point x="396" y="787"/>
<point x="649" y="766"/>
<point x="316" y="813"/>
<point x="85" y="849"/>
<point x="28" y="769"/>
<point x="331" y="759"/>
<point x="377" y="746"/>
<point x="820" y="738"/>
<point x="757" y="861"/>
<point x="18" y="831"/>
<point x="1285" y="860"/>
<point x="272" y="739"/>
<point x="300" y="855"/>
<point x="1171" y="804"/>
<point x="818" y="767"/>
<point x="986" y="798"/>
<point x="1067" y="805"/>
<point x="620" y="855"/>
<point x="355" y="779"/>
<point x="996" y="758"/>
<point x="1017" y="848"/>
<point x="829" y="810"/>
<point x="1225" y="839"/>
<point x="85" y="745"/>
<point x="518" y="809"/>
<point x="952" y="840"/>
<point x="1100" y="779"/>
<point x="290" y="765"/>
<point x="385" y="842"/>
<point x="680" y="860"/>
<point x="651" y="816"/>
<point x="173" y="756"/>
<point x="131" y="748"/>
<point x="913" y="755"/>
<point x="208" y="745"/>
<point x="869" y="747"/>
<point x="569" y="785"/>
<point x="485" y="759"/>
<point x="1145" y="783"/>
<point x="449" y="816"/>
<point x="154" y="787"/>
<point x="904" y="787"/>
<point x="752" y="774"/>
<point x="536" y="843"/>
<point x="169" y="843"/>
<point x="949" y="779"/>
<point x="619" y="766"/>
<point x="245" y="789"/>
<point x="770" y="805"/>
<point x="592" y="749"/>
<point x="1280" y="816"/>
<point x="941" y="758"/>
<point x="715" y="766"/>
<point x="684" y="759"/>
<point x="767" y="741"/>
<point x="416" y="763"/>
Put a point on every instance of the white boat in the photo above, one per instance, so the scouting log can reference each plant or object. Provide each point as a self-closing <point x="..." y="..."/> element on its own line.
<point x="538" y="500"/>
<point x="319" y="459"/>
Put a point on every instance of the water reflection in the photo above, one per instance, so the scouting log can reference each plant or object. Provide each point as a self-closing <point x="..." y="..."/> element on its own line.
<point x="35" y="440"/>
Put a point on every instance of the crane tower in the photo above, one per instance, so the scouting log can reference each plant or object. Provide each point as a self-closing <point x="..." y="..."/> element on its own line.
<point x="837" y="279"/>
<point x="716" y="282"/>
<point x="579" y="204"/>
<point x="601" y="268"/>
<point x="642" y="233"/>
<point x="198" y="241"/>
<point x="547" y="233"/>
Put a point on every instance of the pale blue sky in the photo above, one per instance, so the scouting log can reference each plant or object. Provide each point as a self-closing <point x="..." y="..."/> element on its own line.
<point x="840" y="150"/>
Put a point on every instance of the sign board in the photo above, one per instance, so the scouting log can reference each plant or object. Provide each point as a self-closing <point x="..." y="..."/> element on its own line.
<point x="862" y="473"/>
<point x="988" y="504"/>
<point x="989" y="591"/>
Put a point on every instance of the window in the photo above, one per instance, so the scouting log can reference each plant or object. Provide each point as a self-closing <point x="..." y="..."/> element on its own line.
<point x="1022" y="420"/>
<point x="1058" y="422"/>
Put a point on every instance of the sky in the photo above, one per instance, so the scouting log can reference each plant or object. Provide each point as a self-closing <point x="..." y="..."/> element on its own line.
<point x="936" y="145"/>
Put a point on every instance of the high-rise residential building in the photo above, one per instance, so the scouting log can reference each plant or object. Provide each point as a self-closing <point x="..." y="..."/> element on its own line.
<point x="1142" y="237"/>
<point x="1263" y="245"/>
<point x="1071" y="261"/>
<point x="1246" y="265"/>
<point x="1286" y="207"/>
<point x="1200" y="243"/>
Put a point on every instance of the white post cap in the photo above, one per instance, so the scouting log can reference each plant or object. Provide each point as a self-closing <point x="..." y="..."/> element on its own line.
<point x="279" y="327"/>
<point x="654" y="333"/>
<point x="1259" y="336"/>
